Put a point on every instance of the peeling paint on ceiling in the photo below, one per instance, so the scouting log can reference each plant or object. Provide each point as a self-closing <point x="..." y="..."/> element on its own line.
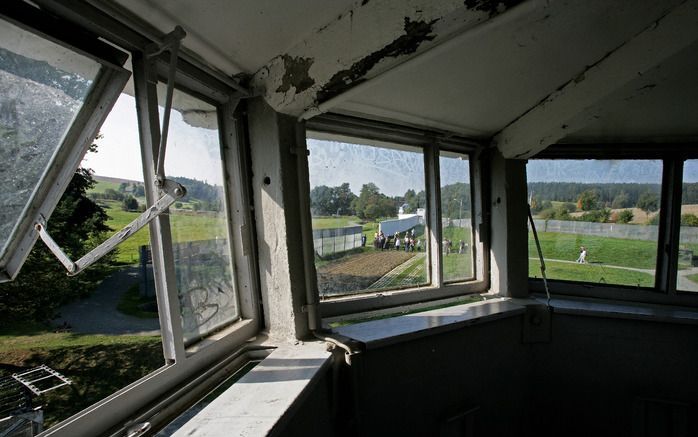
<point x="296" y="74"/>
<point x="416" y="32"/>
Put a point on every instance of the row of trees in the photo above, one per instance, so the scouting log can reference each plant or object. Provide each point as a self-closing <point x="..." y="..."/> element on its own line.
<point x="371" y="204"/>
<point x="615" y="196"/>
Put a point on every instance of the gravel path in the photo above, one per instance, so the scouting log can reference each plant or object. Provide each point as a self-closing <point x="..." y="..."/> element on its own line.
<point x="97" y="314"/>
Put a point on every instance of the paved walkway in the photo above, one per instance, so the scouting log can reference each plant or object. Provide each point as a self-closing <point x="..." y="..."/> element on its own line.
<point x="97" y="314"/>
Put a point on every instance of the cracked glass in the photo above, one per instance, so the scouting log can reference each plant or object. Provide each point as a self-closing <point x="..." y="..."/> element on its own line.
<point x="43" y="86"/>
<point x="199" y="221"/>
<point x="368" y="206"/>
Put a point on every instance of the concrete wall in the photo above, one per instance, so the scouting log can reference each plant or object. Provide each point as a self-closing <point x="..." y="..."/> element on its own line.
<point x="586" y="381"/>
<point x="688" y="234"/>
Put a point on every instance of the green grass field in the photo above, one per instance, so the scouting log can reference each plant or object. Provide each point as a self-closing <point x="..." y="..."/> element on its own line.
<point x="185" y="227"/>
<point x="97" y="365"/>
<point x="594" y="273"/>
<point x="611" y="251"/>
<point x="334" y="222"/>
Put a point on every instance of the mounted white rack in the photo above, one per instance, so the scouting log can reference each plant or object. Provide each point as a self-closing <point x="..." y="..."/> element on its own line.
<point x="41" y="379"/>
<point x="172" y="192"/>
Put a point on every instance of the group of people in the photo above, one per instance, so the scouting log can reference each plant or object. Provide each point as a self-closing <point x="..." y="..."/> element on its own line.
<point x="408" y="241"/>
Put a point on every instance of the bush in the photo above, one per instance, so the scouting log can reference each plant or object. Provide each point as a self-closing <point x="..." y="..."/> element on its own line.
<point x="130" y="204"/>
<point x="689" y="220"/>
<point x="598" y="216"/>
<point x="625" y="216"/>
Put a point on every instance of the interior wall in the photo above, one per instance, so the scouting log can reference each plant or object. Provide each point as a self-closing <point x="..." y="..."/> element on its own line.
<point x="592" y="378"/>
<point x="588" y="380"/>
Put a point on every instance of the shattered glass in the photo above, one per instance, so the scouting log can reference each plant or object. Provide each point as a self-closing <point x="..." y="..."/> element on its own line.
<point x="42" y="88"/>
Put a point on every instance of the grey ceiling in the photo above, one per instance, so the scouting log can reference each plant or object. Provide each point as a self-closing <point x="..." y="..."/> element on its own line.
<point x="475" y="82"/>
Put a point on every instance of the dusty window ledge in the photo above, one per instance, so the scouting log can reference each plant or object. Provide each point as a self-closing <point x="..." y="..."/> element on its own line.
<point x="379" y="333"/>
<point x="256" y="403"/>
<point x="621" y="310"/>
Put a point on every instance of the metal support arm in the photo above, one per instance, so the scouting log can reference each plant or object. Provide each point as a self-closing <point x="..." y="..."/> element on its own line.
<point x="172" y="192"/>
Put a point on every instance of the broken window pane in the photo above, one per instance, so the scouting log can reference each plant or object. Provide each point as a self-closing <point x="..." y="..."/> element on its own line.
<point x="100" y="329"/>
<point x="597" y="220"/>
<point x="199" y="223"/>
<point x="42" y="87"/>
<point x="456" y="216"/>
<point x="368" y="204"/>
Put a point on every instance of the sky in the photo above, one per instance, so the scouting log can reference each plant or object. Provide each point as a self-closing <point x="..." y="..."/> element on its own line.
<point x="394" y="171"/>
<point x="191" y="151"/>
<point x="603" y="171"/>
<point x="194" y="152"/>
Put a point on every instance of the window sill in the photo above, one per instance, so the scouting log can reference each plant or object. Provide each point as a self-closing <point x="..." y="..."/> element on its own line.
<point x="256" y="403"/>
<point x="621" y="310"/>
<point x="379" y="333"/>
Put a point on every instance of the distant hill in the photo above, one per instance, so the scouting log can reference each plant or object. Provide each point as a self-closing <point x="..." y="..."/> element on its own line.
<point x="115" y="180"/>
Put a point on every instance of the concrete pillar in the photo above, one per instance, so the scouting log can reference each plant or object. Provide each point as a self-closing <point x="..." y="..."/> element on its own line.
<point x="509" y="241"/>
<point x="273" y="139"/>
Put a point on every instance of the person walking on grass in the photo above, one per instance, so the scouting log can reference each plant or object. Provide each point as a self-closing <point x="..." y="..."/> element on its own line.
<point x="582" y="255"/>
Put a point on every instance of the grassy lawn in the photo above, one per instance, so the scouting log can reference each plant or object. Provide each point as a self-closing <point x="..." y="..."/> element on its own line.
<point x="594" y="273"/>
<point x="335" y="222"/>
<point x="185" y="227"/>
<point x="612" y="251"/>
<point x="98" y="365"/>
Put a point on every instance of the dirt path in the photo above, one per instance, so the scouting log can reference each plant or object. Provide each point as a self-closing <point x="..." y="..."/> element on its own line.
<point x="97" y="314"/>
<point x="358" y="272"/>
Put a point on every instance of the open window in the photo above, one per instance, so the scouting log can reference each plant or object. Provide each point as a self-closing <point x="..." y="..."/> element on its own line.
<point x="53" y="97"/>
<point x="56" y="91"/>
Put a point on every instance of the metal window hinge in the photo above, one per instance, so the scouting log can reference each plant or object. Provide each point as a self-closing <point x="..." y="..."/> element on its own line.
<point x="172" y="191"/>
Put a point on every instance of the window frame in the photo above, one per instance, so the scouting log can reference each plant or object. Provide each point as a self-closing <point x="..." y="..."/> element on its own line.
<point x="106" y="88"/>
<point x="226" y="349"/>
<point x="664" y="290"/>
<point x="431" y="143"/>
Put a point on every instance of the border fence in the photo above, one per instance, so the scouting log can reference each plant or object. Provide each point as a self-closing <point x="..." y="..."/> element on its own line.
<point x="333" y="240"/>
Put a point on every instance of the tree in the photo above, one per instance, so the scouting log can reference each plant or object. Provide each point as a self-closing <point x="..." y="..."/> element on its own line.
<point x="588" y="200"/>
<point x="648" y="202"/>
<point x="78" y="224"/>
<point x="139" y="191"/>
<point x="321" y="200"/>
<point x="622" y="200"/>
<point x="129" y="204"/>
<point x="372" y="204"/>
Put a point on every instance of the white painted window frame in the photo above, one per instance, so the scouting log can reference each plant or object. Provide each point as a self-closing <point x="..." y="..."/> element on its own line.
<point x="224" y="350"/>
<point x="664" y="290"/>
<point x="431" y="143"/>
<point x="80" y="135"/>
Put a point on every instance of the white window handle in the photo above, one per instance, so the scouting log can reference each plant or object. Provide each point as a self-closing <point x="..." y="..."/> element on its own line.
<point x="172" y="191"/>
